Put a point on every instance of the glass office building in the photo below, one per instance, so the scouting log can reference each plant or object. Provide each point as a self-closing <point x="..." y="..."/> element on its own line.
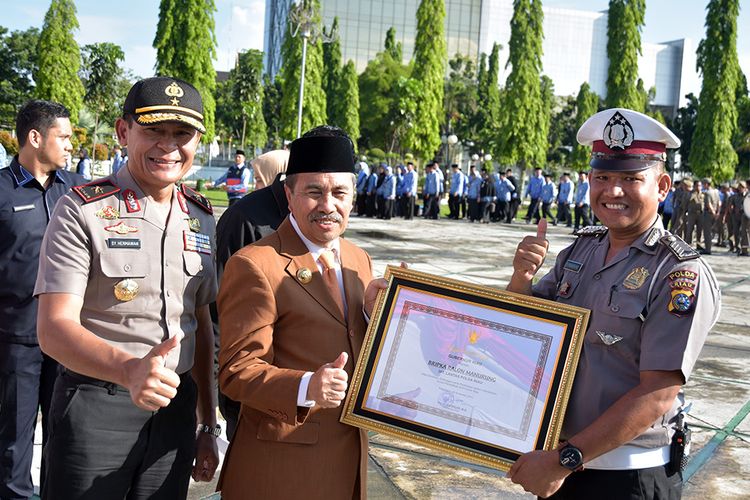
<point x="575" y="42"/>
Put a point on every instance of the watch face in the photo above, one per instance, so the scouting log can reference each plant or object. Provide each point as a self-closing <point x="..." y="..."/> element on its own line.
<point x="570" y="457"/>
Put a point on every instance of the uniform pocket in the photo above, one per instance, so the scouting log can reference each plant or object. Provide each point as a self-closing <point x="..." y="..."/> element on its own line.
<point x="116" y="267"/>
<point x="617" y="327"/>
<point x="272" y="429"/>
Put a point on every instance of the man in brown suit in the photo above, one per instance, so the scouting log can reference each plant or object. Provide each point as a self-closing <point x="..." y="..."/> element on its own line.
<point x="290" y="337"/>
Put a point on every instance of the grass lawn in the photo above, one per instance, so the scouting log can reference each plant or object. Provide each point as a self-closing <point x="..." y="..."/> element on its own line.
<point x="217" y="197"/>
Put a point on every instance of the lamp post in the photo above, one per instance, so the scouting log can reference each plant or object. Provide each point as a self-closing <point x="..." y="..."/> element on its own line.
<point x="302" y="23"/>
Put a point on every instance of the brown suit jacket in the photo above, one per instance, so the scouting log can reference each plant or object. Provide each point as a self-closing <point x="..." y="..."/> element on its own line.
<point x="274" y="328"/>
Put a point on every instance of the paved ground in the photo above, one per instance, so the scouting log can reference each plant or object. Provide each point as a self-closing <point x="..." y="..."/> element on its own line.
<point x="719" y="388"/>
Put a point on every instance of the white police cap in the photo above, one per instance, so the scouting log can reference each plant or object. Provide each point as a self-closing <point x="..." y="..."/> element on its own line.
<point x="625" y="140"/>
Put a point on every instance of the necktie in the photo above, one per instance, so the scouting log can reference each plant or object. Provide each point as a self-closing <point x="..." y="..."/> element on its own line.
<point x="328" y="261"/>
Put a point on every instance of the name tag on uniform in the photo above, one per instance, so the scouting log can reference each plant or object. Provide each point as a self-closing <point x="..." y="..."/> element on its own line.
<point x="124" y="243"/>
<point x="572" y="265"/>
<point x="22" y="208"/>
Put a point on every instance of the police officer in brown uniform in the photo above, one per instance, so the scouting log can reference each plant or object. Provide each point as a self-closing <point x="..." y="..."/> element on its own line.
<point x="652" y="301"/>
<point x="695" y="207"/>
<point x="711" y="207"/>
<point x="125" y="281"/>
<point x="679" y="212"/>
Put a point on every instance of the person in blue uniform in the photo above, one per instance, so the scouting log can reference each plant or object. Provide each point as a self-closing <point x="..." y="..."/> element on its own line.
<point x="237" y="178"/>
<point x="472" y="194"/>
<point x="564" y="200"/>
<point x="504" y="191"/>
<point x="431" y="192"/>
<point x="534" y="191"/>
<point x="548" y="197"/>
<point x="653" y="301"/>
<point x="29" y="190"/>
<point x="456" y="192"/>
<point x="388" y="191"/>
<point x="583" y="202"/>
<point x="409" y="191"/>
<point x="361" y="187"/>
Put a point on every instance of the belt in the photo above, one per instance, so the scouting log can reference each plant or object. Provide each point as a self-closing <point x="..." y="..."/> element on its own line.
<point x="111" y="387"/>
<point x="629" y="457"/>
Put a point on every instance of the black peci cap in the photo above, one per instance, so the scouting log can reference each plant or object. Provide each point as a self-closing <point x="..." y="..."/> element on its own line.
<point x="321" y="154"/>
<point x="163" y="99"/>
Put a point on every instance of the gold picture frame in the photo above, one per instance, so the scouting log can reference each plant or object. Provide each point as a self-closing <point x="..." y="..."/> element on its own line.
<point x="479" y="373"/>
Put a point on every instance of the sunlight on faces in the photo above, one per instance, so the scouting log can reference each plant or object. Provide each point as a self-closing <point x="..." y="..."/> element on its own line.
<point x="159" y="154"/>
<point x="321" y="203"/>
<point x="54" y="149"/>
<point x="627" y="202"/>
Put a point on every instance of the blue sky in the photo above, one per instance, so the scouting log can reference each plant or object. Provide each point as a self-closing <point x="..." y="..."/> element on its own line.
<point x="239" y="25"/>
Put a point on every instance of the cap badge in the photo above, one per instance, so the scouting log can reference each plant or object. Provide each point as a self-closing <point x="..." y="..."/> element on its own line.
<point x="636" y="278"/>
<point x="174" y="91"/>
<point x="304" y="275"/>
<point x="618" y="133"/>
<point x="126" y="290"/>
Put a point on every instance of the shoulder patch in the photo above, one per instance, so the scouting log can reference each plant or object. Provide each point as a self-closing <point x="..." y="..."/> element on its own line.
<point x="96" y="190"/>
<point x="678" y="247"/>
<point x="592" y="231"/>
<point x="197" y="198"/>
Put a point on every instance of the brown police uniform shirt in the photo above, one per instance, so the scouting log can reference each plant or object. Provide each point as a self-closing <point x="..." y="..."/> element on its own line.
<point x="649" y="311"/>
<point x="92" y="246"/>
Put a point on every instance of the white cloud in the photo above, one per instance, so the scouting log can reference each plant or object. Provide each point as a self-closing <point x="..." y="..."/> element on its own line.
<point x="243" y="30"/>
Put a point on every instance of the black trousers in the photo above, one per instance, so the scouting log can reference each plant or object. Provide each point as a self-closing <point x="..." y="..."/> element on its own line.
<point x="388" y="208"/>
<point x="563" y="214"/>
<point x="27" y="378"/>
<point x="501" y="211"/>
<point x="462" y="205"/>
<point x="583" y="216"/>
<point x="454" y="205"/>
<point x="642" y="484"/>
<point x="102" y="446"/>
<point x="371" y="206"/>
<point x="534" y="210"/>
<point x="408" y="207"/>
<point x="546" y="213"/>
<point x="473" y="209"/>
<point x="514" y="204"/>
<point x="361" y="203"/>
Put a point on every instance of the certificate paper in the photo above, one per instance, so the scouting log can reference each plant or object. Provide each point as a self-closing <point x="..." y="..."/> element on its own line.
<point x="477" y="372"/>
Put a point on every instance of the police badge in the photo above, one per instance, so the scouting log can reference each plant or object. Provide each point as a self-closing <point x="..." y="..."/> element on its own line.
<point x="618" y="133"/>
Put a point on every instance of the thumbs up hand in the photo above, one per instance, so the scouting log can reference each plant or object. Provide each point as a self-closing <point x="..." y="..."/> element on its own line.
<point x="328" y="384"/>
<point x="151" y="384"/>
<point x="529" y="257"/>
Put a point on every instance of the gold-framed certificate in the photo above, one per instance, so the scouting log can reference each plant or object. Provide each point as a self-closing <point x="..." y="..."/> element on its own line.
<point x="476" y="372"/>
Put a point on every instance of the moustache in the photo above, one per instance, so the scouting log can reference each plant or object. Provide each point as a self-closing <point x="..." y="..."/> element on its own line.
<point x="320" y="217"/>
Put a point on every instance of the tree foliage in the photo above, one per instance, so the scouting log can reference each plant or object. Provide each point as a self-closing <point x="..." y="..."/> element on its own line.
<point x="407" y="94"/>
<point x="547" y="93"/>
<point x="17" y="65"/>
<point x="487" y="118"/>
<point x="587" y="104"/>
<point x="349" y="98"/>
<point x="461" y="98"/>
<point x="101" y="75"/>
<point x="712" y="153"/>
<point x="185" y="46"/>
<point x="378" y="97"/>
<point x="683" y="125"/>
<point x="624" y="23"/>
<point x="429" y="69"/>
<point x="314" y="98"/>
<point x="59" y="58"/>
<point x="562" y="132"/>
<point x="272" y="111"/>
<point x="332" y="71"/>
<point x="247" y="93"/>
<point x="521" y="139"/>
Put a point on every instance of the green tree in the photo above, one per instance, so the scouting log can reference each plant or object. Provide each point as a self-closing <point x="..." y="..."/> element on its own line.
<point x="488" y="110"/>
<point x="392" y="47"/>
<point x="624" y="23"/>
<point x="562" y="131"/>
<point x="712" y="153"/>
<point x="314" y="98"/>
<point x="332" y="70"/>
<point x="247" y="93"/>
<point x="407" y="93"/>
<point x="272" y="110"/>
<point x="101" y="74"/>
<point x="227" y="126"/>
<point x="587" y="104"/>
<point x="547" y="93"/>
<point x="683" y="125"/>
<point x="59" y="58"/>
<point x="521" y="139"/>
<point x="185" y="46"/>
<point x="429" y="69"/>
<point x="17" y="65"/>
<point x="461" y="98"/>
<point x="377" y="97"/>
<point x="349" y="97"/>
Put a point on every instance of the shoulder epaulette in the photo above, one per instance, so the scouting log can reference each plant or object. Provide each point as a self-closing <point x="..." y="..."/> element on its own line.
<point x="678" y="247"/>
<point x="96" y="190"/>
<point x="197" y="198"/>
<point x="592" y="231"/>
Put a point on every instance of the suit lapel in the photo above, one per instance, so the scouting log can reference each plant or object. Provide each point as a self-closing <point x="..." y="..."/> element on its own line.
<point x="354" y="293"/>
<point x="292" y="247"/>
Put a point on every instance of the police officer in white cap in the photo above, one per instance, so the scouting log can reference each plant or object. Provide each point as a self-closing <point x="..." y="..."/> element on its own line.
<point x="652" y="301"/>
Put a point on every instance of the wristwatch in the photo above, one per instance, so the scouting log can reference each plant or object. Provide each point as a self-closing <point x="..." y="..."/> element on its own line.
<point x="214" y="431"/>
<point x="571" y="457"/>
